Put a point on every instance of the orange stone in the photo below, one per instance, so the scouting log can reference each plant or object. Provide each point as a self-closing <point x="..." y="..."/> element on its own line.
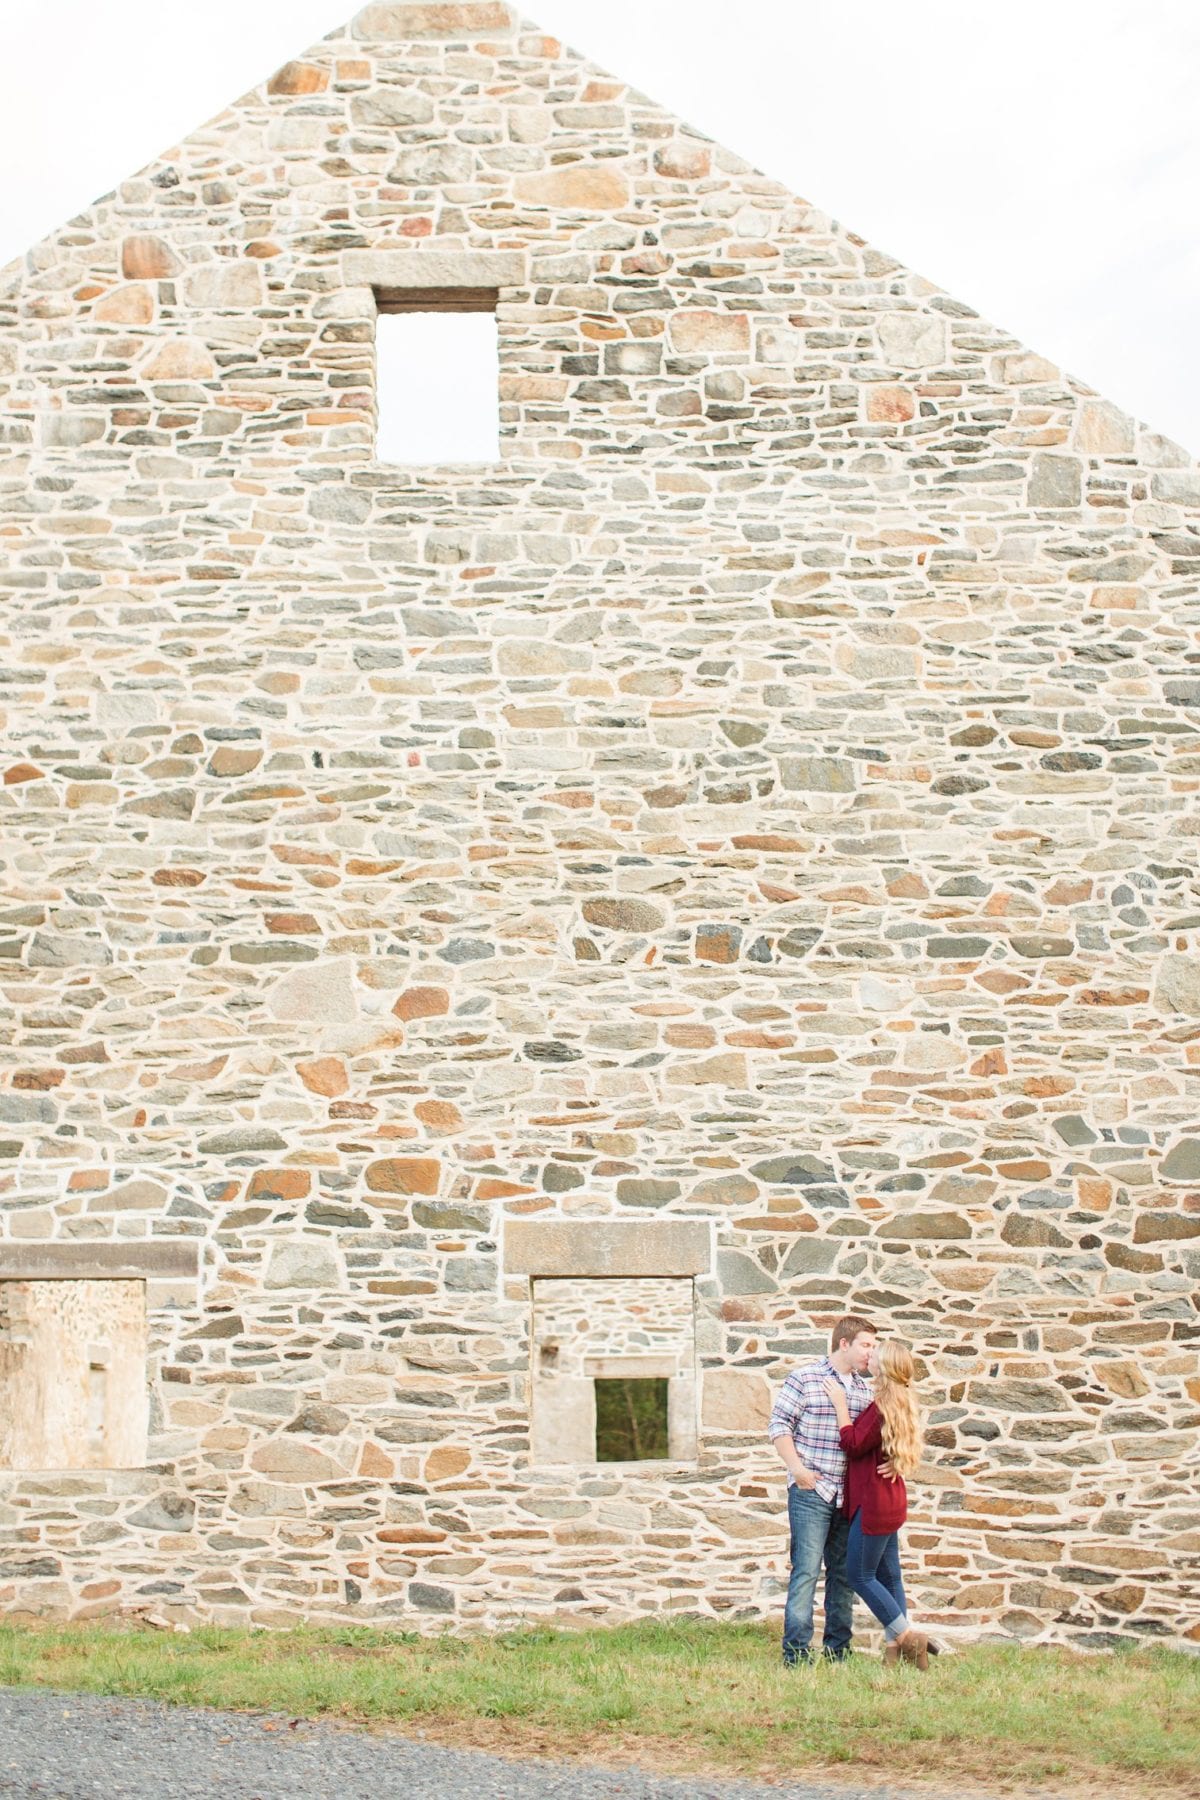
<point x="890" y="405"/>
<point x="404" y="1175"/>
<point x="20" y="772"/>
<point x="1029" y="1168"/>
<point x="376" y="1463"/>
<point x="87" y="1181"/>
<point x="39" y="1080"/>
<point x="280" y="1184"/>
<point x="1068" y="893"/>
<point x="439" y="1115"/>
<point x="146" y="258"/>
<point x="491" y="1188"/>
<point x="291" y="924"/>
<point x="184" y="878"/>
<point x="298" y="78"/>
<point x="325" y="1075"/>
<point x="422" y="1003"/>
<point x="447" y="1461"/>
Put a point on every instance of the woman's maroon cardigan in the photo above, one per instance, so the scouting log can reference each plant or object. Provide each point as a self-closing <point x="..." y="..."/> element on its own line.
<point x="884" y="1504"/>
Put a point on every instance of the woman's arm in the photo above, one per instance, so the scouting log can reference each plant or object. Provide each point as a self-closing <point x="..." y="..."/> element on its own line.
<point x="863" y="1436"/>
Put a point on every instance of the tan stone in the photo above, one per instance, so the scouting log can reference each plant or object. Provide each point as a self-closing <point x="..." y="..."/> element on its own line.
<point x="708" y="333"/>
<point x="416" y="21"/>
<point x="683" y="160"/>
<point x="148" y="258"/>
<point x="735" y="1400"/>
<point x="225" y="285"/>
<point x="1103" y="430"/>
<point x="320" y="993"/>
<point x="284" y="1459"/>
<point x="129" y="305"/>
<point x="591" y="1247"/>
<point x="181" y="359"/>
<point x="578" y="187"/>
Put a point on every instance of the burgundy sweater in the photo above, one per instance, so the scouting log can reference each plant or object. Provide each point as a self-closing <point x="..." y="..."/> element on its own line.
<point x="884" y="1504"/>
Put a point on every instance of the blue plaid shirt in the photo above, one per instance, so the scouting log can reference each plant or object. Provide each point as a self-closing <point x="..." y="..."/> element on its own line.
<point x="804" y="1412"/>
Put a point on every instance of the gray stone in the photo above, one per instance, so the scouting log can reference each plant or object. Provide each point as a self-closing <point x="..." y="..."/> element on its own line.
<point x="738" y="1273"/>
<point x="917" y="1226"/>
<point x="303" y="1263"/>
<point x="1182" y="1161"/>
<point x="1074" y="1130"/>
<point x="241" y="1141"/>
<point x="810" y="1256"/>
<point x="818" y="774"/>
<point x="1056" y="481"/>
<point x="386" y="109"/>
<point x="796" y="1169"/>
<point x="166" y="1512"/>
<point x="643" y="1191"/>
<point x="142" y="1259"/>
<point x="1017" y="1396"/>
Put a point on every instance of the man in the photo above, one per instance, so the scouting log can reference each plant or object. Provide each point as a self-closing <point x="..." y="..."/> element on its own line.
<point x="804" y="1432"/>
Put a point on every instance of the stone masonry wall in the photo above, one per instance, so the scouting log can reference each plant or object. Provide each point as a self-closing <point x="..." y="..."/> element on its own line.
<point x="765" y="799"/>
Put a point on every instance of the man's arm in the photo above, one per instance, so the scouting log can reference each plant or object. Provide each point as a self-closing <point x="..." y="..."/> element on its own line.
<point x="784" y="1416"/>
<point x="789" y="1456"/>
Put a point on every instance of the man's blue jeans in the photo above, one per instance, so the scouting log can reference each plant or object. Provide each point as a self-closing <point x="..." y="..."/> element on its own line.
<point x="818" y="1537"/>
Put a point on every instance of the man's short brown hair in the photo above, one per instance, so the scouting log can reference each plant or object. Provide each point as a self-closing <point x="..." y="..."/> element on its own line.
<point x="847" y="1329"/>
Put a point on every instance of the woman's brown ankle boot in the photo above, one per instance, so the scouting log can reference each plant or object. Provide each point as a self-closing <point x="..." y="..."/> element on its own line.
<point x="914" y="1648"/>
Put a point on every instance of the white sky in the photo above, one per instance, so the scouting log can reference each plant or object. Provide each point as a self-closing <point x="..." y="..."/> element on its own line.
<point x="1040" y="159"/>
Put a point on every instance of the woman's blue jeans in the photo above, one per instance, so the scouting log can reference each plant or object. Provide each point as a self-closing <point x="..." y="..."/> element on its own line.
<point x="818" y="1538"/>
<point x="873" y="1568"/>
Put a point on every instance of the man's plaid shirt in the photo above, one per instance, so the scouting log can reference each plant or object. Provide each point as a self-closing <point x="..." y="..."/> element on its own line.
<point x="804" y="1412"/>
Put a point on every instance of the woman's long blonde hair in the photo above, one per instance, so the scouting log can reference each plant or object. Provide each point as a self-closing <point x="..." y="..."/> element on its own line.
<point x="898" y="1408"/>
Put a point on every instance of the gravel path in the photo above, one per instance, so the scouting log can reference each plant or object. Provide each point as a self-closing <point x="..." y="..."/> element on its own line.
<point x="81" y="1747"/>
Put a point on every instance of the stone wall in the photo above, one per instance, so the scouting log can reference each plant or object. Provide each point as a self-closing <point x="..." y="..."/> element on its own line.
<point x="762" y="805"/>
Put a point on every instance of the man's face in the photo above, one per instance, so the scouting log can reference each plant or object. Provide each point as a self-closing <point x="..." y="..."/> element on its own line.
<point x="861" y="1350"/>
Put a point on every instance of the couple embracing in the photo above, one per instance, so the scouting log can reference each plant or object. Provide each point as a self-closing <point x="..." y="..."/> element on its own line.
<point x="847" y="1450"/>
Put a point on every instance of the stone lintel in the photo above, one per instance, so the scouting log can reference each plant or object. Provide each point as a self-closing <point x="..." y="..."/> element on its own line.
<point x="437" y="272"/>
<point x="150" y="1260"/>
<point x="607" y="1247"/>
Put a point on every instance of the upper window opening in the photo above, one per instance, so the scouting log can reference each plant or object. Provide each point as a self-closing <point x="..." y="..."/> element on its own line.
<point x="437" y="372"/>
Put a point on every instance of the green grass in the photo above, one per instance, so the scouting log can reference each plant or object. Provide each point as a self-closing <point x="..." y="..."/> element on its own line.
<point x="690" y="1695"/>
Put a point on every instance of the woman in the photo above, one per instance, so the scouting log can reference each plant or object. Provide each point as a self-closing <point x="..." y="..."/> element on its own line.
<point x="888" y="1432"/>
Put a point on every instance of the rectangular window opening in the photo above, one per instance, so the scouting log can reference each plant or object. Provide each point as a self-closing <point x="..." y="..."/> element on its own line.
<point x="437" y="376"/>
<point x="632" y="1420"/>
